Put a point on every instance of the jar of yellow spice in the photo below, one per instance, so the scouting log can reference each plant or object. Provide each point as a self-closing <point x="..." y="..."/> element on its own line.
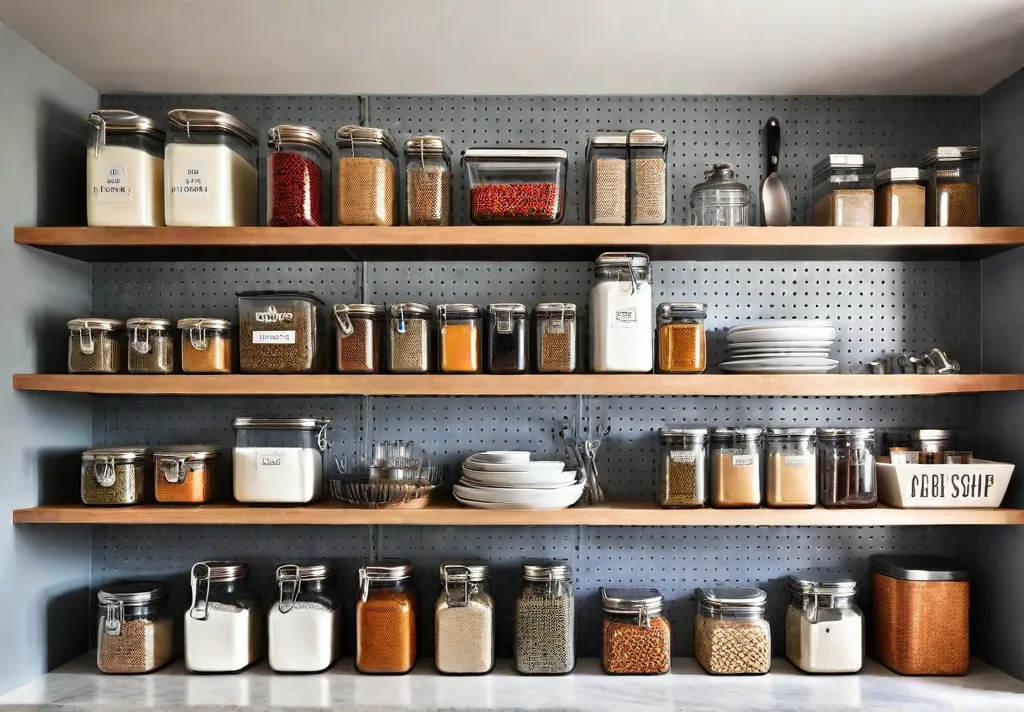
<point x="458" y="338"/>
<point x="682" y="343"/>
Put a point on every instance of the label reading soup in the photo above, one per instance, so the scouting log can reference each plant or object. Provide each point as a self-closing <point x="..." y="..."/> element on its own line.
<point x="743" y="460"/>
<point x="113" y="186"/>
<point x="192" y="181"/>
<point x="685" y="456"/>
<point x="273" y="337"/>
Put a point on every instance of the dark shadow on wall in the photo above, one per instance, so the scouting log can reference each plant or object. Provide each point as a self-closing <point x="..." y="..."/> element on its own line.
<point x="61" y="138"/>
<point x="67" y="626"/>
<point x="59" y="477"/>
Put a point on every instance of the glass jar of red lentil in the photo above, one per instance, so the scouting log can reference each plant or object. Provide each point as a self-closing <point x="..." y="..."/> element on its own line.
<point x="367" y="181"/>
<point x="186" y="474"/>
<point x="516" y="185"/>
<point x="298" y="177"/>
<point x="150" y="346"/>
<point x="207" y="345"/>
<point x="358" y="337"/>
<point x="428" y="181"/>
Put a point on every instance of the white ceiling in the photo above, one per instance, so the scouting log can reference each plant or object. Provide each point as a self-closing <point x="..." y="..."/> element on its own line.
<point x="529" y="46"/>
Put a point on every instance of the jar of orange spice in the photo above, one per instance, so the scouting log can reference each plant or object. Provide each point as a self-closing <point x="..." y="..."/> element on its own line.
<point x="186" y="474"/>
<point x="207" y="345"/>
<point x="386" y="618"/>
<point x="458" y="338"/>
<point x="682" y="346"/>
<point x="636" y="638"/>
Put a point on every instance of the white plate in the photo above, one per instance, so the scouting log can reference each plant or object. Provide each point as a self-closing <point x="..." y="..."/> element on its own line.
<point x="789" y="361"/>
<point x="817" y="353"/>
<point x="781" y="323"/>
<point x="784" y="333"/>
<point x="534" y="466"/>
<point x="744" y="367"/>
<point x="519" y="479"/>
<point x="500" y="456"/>
<point x="536" y="506"/>
<point x="555" y="498"/>
<point x="801" y="344"/>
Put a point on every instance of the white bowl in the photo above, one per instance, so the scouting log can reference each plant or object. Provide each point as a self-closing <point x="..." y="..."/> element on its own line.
<point x="500" y="456"/>
<point x="561" y="497"/>
<point x="520" y="479"/>
<point x="783" y="333"/>
<point x="534" y="466"/>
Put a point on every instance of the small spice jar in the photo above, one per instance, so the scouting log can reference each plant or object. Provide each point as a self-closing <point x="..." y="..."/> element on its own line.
<point x="899" y="198"/>
<point x="150" y="346"/>
<point x="186" y="474"/>
<point x="409" y="338"/>
<point x="791" y="473"/>
<point x="386" y="618"/>
<point x="367" y="177"/>
<point x="606" y="178"/>
<point x="224" y="624"/>
<point x="555" y="337"/>
<point x="464" y="619"/>
<point x="920" y="609"/>
<point x="731" y="635"/>
<point x="844" y="191"/>
<point x="516" y="185"/>
<point x="621" y="318"/>
<point x="304" y="625"/>
<point x="95" y="345"/>
<point x="953" y="197"/>
<point x="546" y="620"/>
<point x="721" y="200"/>
<point x="124" y="170"/>
<point x="136" y="632"/>
<point x="280" y="332"/>
<point x="648" y="177"/>
<point x="428" y="181"/>
<point x="358" y="337"/>
<point x="932" y="443"/>
<point x="636" y="638"/>
<point x="506" y="338"/>
<point x="736" y="467"/>
<point x="207" y="345"/>
<point x="824" y="627"/>
<point x="298" y="177"/>
<point x="684" y="455"/>
<point x="846" y="467"/>
<point x="116" y="475"/>
<point x="682" y="343"/>
<point x="458" y="338"/>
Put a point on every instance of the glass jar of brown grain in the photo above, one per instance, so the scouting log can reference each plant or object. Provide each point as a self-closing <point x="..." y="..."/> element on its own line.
<point x="409" y="338"/>
<point x="95" y="345"/>
<point x="428" y="181"/>
<point x="790" y="467"/>
<point x="731" y="635"/>
<point x="555" y="332"/>
<point x="116" y="475"/>
<point x="386" y="618"/>
<point x="844" y="191"/>
<point x="367" y="180"/>
<point x="953" y="198"/>
<point x="682" y="343"/>
<point x="606" y="178"/>
<point x="358" y="337"/>
<point x="736" y="467"/>
<point x="648" y="177"/>
<point x="150" y="346"/>
<point x="136" y="631"/>
<point x="636" y="638"/>
<point x="899" y="198"/>
<point x="682" y="480"/>
<point x="207" y="345"/>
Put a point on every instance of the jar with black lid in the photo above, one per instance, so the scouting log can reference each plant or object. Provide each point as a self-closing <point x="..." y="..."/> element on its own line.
<point x="136" y="631"/>
<point x="95" y="345"/>
<point x="506" y="338"/>
<point x="150" y="346"/>
<point x="409" y="338"/>
<point x="116" y="475"/>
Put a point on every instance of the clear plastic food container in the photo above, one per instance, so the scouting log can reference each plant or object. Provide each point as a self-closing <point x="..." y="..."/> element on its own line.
<point x="648" y="177"/>
<point x="953" y="186"/>
<point x="844" y="191"/>
<point x="506" y="338"/>
<point x="516" y="185"/>
<point x="124" y="169"/>
<point x="606" y="178"/>
<point x="280" y="332"/>
<point x="367" y="180"/>
<point x="298" y="177"/>
<point x="279" y="460"/>
<point x="900" y="198"/>
<point x="428" y="181"/>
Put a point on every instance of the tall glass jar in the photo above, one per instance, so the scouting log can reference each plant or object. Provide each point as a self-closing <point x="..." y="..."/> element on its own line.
<point x="791" y="473"/>
<point x="721" y="200"/>
<point x="95" y="345"/>
<point x="367" y="180"/>
<point x="124" y="170"/>
<point x="684" y="455"/>
<point x="621" y="318"/>
<point x="358" y="337"/>
<point x="648" y="177"/>
<point x="844" y="191"/>
<point x="953" y="198"/>
<point x="116" y="475"/>
<point x="136" y="631"/>
<point x="846" y="467"/>
<point x="736" y="467"/>
<point x="386" y="618"/>
<point x="298" y="177"/>
<point x="506" y="338"/>
<point x="546" y="620"/>
<point x="459" y="338"/>
<point x="207" y="345"/>
<point x="428" y="181"/>
<point x="555" y="337"/>
<point x="187" y="474"/>
<point x="150" y="346"/>
<point x="210" y="176"/>
<point x="224" y="623"/>
<point x="900" y="198"/>
<point x="636" y="639"/>
<point x="682" y="343"/>
<point x="304" y="625"/>
<point x="731" y="635"/>
<point x="409" y="338"/>
<point x="464" y="619"/>
<point x="606" y="178"/>
<point x="824" y="627"/>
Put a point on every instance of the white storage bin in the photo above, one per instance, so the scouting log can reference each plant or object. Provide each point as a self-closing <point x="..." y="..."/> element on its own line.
<point x="983" y="483"/>
<point x="279" y="460"/>
<point x="124" y="170"/>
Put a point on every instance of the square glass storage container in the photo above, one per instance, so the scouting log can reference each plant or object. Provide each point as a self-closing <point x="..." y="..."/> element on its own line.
<point x="124" y="170"/>
<point x="428" y="181"/>
<point x="409" y="338"/>
<point x="506" y="338"/>
<point x="116" y="475"/>
<point x="186" y="474"/>
<point x="731" y="635"/>
<point x="844" y="191"/>
<point x="636" y="637"/>
<point x="555" y="337"/>
<point x="358" y="337"/>
<point x="207" y="345"/>
<point x="150" y="346"/>
<point x="280" y="332"/>
<point x="682" y="343"/>
<point x="516" y="185"/>
<point x="606" y="178"/>
<point x="95" y="345"/>
<point x="953" y="176"/>
<point x="279" y="460"/>
<point x="367" y="180"/>
<point x="900" y="198"/>
<point x="648" y="177"/>
<point x="136" y="631"/>
<point x="459" y="338"/>
<point x="298" y="177"/>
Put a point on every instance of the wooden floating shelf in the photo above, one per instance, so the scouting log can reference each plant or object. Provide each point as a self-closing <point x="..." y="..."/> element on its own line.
<point x="452" y="514"/>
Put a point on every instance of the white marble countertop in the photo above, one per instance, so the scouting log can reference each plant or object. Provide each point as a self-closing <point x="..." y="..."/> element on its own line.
<point x="77" y="686"/>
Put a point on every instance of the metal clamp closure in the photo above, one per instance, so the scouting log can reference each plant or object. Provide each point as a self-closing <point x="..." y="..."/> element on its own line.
<point x="197" y="336"/>
<point x="321" y="437"/>
<point x="503" y="320"/>
<point x="364" y="585"/>
<point x="199" y="610"/>
<point x="142" y="347"/>
<point x="86" y="343"/>
<point x="442" y="317"/>
<point x="288" y="575"/>
<point x="100" y="125"/>
<point x="634" y="278"/>
<point x="173" y="469"/>
<point x="556" y="587"/>
<point x="105" y="471"/>
<point x="453" y="570"/>
<point x="643" y="618"/>
<point x="113" y="618"/>
<point x="341" y="315"/>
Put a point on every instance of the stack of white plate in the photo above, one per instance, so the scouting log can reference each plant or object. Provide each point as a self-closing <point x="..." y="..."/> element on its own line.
<point x="790" y="346"/>
<point x="509" y="479"/>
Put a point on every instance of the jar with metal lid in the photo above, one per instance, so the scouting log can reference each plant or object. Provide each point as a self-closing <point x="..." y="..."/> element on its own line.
<point x="721" y="200"/>
<point x="298" y="177"/>
<point x="187" y="474"/>
<point x="367" y="181"/>
<point x="95" y="345"/>
<point x="210" y="175"/>
<point x="736" y="467"/>
<point x="280" y="332"/>
<point x="844" y="191"/>
<point x="207" y="345"/>
<point x="409" y="338"/>
<point x="116" y="475"/>
<point x="136" y="631"/>
<point x="464" y="619"/>
<point x="506" y="338"/>
<point x="279" y="460"/>
<point x="824" y="627"/>
<point x="428" y="181"/>
<point x="791" y="473"/>
<point x="546" y="620"/>
<point x="636" y="639"/>
<point x="900" y="198"/>
<point x="648" y="177"/>
<point x="606" y="178"/>
<point x="358" y="337"/>
<point x="555" y="337"/>
<point x="731" y="635"/>
<point x="682" y="343"/>
<point x="621" y="318"/>
<point x="150" y="346"/>
<point x="124" y="170"/>
<point x="846" y="467"/>
<point x="684" y="454"/>
<point x="225" y="620"/>
<point x="458" y="338"/>
<point x="304" y="624"/>
<point x="953" y="196"/>
<point x="516" y="185"/>
<point x="932" y="443"/>
<point x="386" y="618"/>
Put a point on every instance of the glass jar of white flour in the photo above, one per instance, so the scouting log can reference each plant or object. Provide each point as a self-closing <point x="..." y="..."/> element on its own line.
<point x="303" y="627"/>
<point x="824" y="627"/>
<point x="224" y="623"/>
<point x="621" y="317"/>
<point x="124" y="170"/>
<point x="279" y="460"/>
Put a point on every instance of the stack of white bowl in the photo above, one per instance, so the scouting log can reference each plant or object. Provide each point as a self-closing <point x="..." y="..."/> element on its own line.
<point x="509" y="479"/>
<point x="789" y="346"/>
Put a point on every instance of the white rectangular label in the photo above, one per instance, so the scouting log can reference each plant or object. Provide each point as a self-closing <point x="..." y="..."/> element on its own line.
<point x="625" y="318"/>
<point x="273" y="337"/>
<point x="743" y="460"/>
<point x="686" y="456"/>
<point x="270" y="461"/>
<point x="192" y="182"/>
<point x="556" y="327"/>
<point x="113" y="186"/>
<point x="799" y="461"/>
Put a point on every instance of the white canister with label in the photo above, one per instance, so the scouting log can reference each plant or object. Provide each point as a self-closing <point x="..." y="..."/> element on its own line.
<point x="621" y="314"/>
<point x="124" y="170"/>
<point x="279" y="460"/>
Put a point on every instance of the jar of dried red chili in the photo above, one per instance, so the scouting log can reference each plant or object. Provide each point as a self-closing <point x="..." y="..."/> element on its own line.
<point x="516" y="185"/>
<point x="298" y="177"/>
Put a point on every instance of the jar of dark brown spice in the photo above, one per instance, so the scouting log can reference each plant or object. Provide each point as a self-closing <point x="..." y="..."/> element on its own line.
<point x="428" y="181"/>
<point x="358" y="337"/>
<point x="150" y="346"/>
<point x="95" y="345"/>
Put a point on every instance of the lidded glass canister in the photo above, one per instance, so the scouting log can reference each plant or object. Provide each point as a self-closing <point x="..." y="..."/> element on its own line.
<point x="124" y="170"/>
<point x="731" y="635"/>
<point x="95" y="345"/>
<point x="953" y="197"/>
<point x="555" y="337"/>
<point x="636" y="638"/>
<point x="367" y="182"/>
<point x="224" y="625"/>
<point x="207" y="345"/>
<point x="150" y="346"/>
<point x="607" y="178"/>
<point x="546" y="620"/>
<point x="648" y="177"/>
<point x="298" y="177"/>
<point x="464" y="619"/>
<point x="791" y="472"/>
<point x="428" y="181"/>
<point x="683" y="480"/>
<point x="736" y="467"/>
<point x="846" y="467"/>
<point x="116" y="475"/>
<point x="621" y="317"/>
<point x="682" y="342"/>
<point x="386" y="618"/>
<point x="721" y="200"/>
<point x="358" y="337"/>
<point x="409" y="338"/>
<point x="136" y="632"/>
<point x="459" y="338"/>
<point x="304" y="624"/>
<point x="506" y="338"/>
<point x="824" y="626"/>
<point x="187" y="474"/>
